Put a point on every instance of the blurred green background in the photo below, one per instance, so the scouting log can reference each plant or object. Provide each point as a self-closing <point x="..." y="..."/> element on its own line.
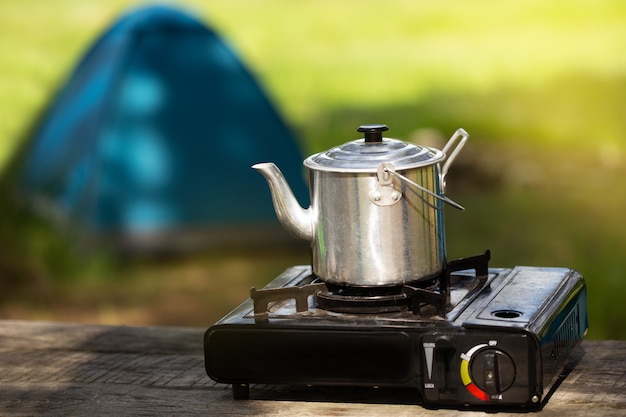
<point x="540" y="86"/>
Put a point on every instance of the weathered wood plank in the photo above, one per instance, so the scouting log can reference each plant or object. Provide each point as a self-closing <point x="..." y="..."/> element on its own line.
<point x="56" y="369"/>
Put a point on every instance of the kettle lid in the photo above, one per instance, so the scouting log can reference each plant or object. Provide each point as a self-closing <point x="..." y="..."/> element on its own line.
<point x="366" y="154"/>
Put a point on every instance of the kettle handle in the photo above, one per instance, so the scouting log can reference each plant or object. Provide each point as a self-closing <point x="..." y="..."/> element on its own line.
<point x="452" y="149"/>
<point x="388" y="167"/>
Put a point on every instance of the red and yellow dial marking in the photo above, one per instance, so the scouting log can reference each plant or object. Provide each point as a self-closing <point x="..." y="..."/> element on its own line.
<point x="465" y="374"/>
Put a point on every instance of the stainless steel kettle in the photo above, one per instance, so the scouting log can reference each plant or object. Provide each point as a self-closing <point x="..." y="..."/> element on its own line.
<point x="376" y="214"/>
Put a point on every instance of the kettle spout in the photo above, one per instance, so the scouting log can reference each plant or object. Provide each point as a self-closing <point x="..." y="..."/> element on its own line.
<point x="295" y="219"/>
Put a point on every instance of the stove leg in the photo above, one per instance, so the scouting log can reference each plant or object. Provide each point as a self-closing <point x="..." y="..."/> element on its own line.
<point x="241" y="391"/>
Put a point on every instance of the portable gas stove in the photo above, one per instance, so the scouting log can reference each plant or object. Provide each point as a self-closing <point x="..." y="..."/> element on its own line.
<point x="380" y="306"/>
<point x="474" y="335"/>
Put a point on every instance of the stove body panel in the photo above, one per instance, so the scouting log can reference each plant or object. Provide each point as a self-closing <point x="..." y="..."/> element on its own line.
<point x="501" y="344"/>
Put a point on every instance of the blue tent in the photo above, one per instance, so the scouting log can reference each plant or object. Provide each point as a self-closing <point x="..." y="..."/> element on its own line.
<point x="155" y="132"/>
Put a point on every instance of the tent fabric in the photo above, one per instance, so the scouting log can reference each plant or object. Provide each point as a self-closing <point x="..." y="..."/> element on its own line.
<point x="156" y="130"/>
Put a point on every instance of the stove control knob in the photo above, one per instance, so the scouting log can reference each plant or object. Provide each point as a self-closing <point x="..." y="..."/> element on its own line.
<point x="493" y="371"/>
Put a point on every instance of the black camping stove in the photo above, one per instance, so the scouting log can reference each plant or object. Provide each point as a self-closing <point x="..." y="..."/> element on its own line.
<point x="473" y="336"/>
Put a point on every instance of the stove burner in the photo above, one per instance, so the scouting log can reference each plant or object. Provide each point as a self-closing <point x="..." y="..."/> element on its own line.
<point x="366" y="304"/>
<point x="424" y="298"/>
<point x="369" y="300"/>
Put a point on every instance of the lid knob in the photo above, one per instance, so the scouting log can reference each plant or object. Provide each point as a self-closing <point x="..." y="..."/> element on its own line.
<point x="373" y="132"/>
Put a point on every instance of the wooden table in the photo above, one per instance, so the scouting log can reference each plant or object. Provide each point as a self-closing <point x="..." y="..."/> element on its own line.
<point x="59" y="369"/>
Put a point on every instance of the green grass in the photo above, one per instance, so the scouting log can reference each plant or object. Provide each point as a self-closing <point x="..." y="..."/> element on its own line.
<point x="540" y="86"/>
